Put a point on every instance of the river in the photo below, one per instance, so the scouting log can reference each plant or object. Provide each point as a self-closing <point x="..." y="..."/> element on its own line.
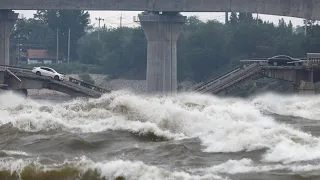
<point x="185" y="137"/>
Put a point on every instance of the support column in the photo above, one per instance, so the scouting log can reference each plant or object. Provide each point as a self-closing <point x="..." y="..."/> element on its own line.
<point x="7" y="21"/>
<point x="162" y="31"/>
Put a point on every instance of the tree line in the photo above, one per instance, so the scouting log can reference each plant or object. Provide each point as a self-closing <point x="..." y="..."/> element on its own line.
<point x="205" y="49"/>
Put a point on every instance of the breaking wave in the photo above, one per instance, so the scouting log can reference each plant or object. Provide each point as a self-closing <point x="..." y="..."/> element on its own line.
<point x="248" y="166"/>
<point x="222" y="124"/>
<point x="304" y="106"/>
<point x="84" y="169"/>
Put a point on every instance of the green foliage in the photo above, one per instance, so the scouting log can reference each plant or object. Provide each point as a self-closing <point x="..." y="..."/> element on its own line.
<point x="31" y="33"/>
<point x="41" y="32"/>
<point x="121" y="51"/>
<point x="205" y="49"/>
<point x="312" y="43"/>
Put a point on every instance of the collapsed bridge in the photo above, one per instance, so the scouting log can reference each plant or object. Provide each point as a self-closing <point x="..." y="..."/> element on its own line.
<point x="303" y="77"/>
<point x="21" y="79"/>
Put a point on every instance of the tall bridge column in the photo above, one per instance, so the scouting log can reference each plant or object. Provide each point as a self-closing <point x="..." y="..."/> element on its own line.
<point x="7" y="20"/>
<point x="162" y="31"/>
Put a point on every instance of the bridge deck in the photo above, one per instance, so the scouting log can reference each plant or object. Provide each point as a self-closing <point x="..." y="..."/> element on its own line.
<point x="232" y="77"/>
<point x="74" y="86"/>
<point x="229" y="79"/>
<point x="297" y="8"/>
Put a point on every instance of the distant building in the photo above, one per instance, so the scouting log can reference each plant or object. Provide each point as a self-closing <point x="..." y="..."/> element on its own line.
<point x="41" y="56"/>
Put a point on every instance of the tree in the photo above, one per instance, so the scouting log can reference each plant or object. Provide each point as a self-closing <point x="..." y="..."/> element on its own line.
<point x="245" y="18"/>
<point x="136" y="53"/>
<point x="89" y="49"/>
<point x="206" y="50"/>
<point x="30" y="33"/>
<point x="313" y="38"/>
<point x="27" y="34"/>
<point x="234" y="20"/>
<point x="63" y="20"/>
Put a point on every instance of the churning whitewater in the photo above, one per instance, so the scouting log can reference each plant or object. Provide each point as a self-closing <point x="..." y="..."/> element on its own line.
<point x="189" y="136"/>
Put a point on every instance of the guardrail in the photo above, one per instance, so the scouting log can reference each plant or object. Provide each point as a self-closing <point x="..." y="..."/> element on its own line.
<point x="222" y="83"/>
<point x="15" y="69"/>
<point x="87" y="85"/>
<point x="212" y="81"/>
<point x="248" y="71"/>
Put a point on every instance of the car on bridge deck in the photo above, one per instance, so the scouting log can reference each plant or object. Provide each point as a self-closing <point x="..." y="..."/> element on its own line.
<point x="49" y="72"/>
<point x="283" y="60"/>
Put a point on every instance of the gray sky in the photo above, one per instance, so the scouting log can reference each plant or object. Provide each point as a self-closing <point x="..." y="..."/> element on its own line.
<point x="112" y="18"/>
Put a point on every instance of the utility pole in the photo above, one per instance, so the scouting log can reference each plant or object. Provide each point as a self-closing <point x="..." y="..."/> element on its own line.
<point x="99" y="19"/>
<point x="257" y="19"/>
<point x="58" y="15"/>
<point x="121" y="20"/>
<point x="18" y="49"/>
<point x="57" y="58"/>
<point x="305" y="27"/>
<point x="226" y="17"/>
<point x="69" y="45"/>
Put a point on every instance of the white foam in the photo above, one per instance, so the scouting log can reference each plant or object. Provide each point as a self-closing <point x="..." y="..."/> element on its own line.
<point x="13" y="165"/>
<point x="288" y="151"/>
<point x="141" y="171"/>
<point x="16" y="153"/>
<point x="222" y="124"/>
<point x="134" y="170"/>
<point x="247" y="166"/>
<point x="138" y="170"/>
<point x="305" y="106"/>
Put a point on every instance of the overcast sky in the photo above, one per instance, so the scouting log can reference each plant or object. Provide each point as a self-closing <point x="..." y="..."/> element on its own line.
<point x="112" y="18"/>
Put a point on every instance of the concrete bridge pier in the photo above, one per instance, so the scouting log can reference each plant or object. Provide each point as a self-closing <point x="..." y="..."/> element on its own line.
<point x="162" y="31"/>
<point x="7" y="21"/>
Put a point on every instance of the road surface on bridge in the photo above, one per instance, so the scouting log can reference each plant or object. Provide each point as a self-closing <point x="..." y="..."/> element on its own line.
<point x="73" y="86"/>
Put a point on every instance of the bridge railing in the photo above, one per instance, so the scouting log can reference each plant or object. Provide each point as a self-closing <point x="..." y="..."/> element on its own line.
<point x="313" y="62"/>
<point x="246" y="72"/>
<point x="230" y="78"/>
<point x="216" y="79"/>
<point x="87" y="85"/>
<point x="16" y="69"/>
<point x="73" y="80"/>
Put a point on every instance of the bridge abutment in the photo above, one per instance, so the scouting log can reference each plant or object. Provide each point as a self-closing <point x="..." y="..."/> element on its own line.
<point x="162" y="32"/>
<point x="7" y="21"/>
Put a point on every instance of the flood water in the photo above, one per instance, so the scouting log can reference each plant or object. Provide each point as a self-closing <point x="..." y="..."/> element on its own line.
<point x="189" y="136"/>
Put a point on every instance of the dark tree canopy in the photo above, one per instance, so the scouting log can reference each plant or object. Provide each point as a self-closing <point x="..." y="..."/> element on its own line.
<point x="63" y="20"/>
<point x="205" y="49"/>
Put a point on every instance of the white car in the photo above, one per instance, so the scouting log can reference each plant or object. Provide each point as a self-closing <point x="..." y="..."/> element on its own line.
<point x="46" y="71"/>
